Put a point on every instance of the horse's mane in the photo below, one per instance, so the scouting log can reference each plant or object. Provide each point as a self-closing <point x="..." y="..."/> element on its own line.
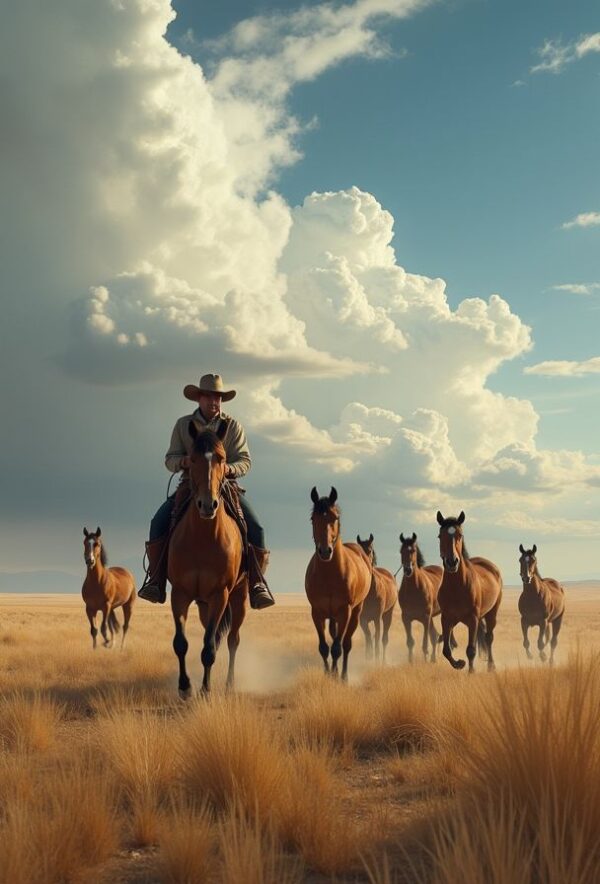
<point x="452" y="522"/>
<point x="322" y="506"/>
<point x="374" y="556"/>
<point x="207" y="442"/>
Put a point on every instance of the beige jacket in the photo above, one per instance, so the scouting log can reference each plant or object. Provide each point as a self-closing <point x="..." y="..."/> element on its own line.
<point x="236" y="446"/>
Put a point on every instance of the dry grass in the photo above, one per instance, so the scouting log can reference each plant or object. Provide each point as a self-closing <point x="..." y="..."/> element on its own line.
<point x="406" y="774"/>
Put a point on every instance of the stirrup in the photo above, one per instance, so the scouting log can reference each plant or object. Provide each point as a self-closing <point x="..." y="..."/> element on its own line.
<point x="260" y="597"/>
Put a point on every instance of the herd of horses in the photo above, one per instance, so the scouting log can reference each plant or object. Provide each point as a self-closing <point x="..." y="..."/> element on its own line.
<point x="343" y="583"/>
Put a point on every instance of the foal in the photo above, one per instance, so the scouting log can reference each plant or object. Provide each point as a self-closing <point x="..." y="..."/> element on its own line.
<point x="541" y="603"/>
<point x="418" y="595"/>
<point x="471" y="590"/>
<point x="337" y="582"/>
<point x="105" y="589"/>
<point x="378" y="606"/>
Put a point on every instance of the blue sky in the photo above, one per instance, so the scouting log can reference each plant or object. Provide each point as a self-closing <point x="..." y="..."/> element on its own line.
<point x="218" y="190"/>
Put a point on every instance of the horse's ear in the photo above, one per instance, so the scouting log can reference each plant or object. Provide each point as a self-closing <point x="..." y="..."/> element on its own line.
<point x="534" y="549"/>
<point x="98" y="531"/>
<point x="358" y="538"/>
<point x="332" y="495"/>
<point x="440" y="518"/>
<point x="193" y="430"/>
<point x="371" y="538"/>
<point x="461" y="517"/>
<point x="85" y="532"/>
<point x="401" y="537"/>
<point x="314" y="494"/>
<point x="521" y="550"/>
<point x="414" y="537"/>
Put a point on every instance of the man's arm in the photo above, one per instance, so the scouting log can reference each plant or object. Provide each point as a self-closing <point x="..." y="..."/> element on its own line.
<point x="238" y="454"/>
<point x="176" y="457"/>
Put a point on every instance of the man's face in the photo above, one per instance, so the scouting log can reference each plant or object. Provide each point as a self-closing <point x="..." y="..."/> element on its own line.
<point x="210" y="404"/>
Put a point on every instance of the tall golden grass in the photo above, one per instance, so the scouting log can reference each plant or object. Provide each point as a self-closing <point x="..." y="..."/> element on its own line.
<point x="408" y="774"/>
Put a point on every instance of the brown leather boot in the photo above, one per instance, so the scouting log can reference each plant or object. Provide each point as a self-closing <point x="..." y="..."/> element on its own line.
<point x="260" y="594"/>
<point x="154" y="587"/>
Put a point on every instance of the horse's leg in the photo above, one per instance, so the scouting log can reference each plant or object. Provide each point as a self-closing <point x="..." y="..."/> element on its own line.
<point x="91" y="615"/>
<point x="319" y="621"/>
<point x="490" y="625"/>
<point x="410" y="642"/>
<point x="126" y="617"/>
<point x="447" y="627"/>
<point x="342" y="619"/>
<point x="105" y="626"/>
<point x="556" y="625"/>
<point x="377" y="625"/>
<point x="180" y="607"/>
<point x="473" y="627"/>
<point x="347" y="643"/>
<point x="215" y="609"/>
<point x="433" y="638"/>
<point x="387" y="622"/>
<point x="364" y="625"/>
<point x="541" y="643"/>
<point x="238" y="604"/>
<point x="425" y="642"/>
<point x="525" y="631"/>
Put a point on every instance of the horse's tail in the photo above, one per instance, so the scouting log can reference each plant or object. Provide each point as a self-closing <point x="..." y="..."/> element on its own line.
<point x="114" y="623"/>
<point x="224" y="625"/>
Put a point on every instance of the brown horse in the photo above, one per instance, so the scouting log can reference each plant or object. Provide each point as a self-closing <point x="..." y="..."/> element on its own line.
<point x="418" y="595"/>
<point x="337" y="582"/>
<point x="205" y="562"/>
<point x="471" y="591"/>
<point x="542" y="603"/>
<point x="105" y="589"/>
<point x="378" y="607"/>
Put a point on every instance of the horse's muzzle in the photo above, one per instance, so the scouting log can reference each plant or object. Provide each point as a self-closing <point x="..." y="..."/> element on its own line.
<point x="408" y="570"/>
<point x="451" y="565"/>
<point x="90" y="562"/>
<point x="326" y="554"/>
<point x="207" y="511"/>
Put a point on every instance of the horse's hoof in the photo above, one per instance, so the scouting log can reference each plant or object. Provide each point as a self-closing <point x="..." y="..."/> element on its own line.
<point x="185" y="694"/>
<point x="458" y="664"/>
<point x="491" y="667"/>
<point x="543" y="657"/>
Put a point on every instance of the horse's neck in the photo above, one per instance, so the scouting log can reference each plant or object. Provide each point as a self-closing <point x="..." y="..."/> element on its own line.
<point x="537" y="583"/>
<point x="99" y="572"/>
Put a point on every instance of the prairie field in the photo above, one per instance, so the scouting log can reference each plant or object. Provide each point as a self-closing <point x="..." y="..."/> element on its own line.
<point x="406" y="774"/>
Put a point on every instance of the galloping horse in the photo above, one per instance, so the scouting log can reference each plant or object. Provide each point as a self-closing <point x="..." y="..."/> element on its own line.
<point x="378" y="607"/>
<point x="338" y="579"/>
<point x="105" y="589"/>
<point x="418" y="595"/>
<point x="471" y="591"/>
<point x="205" y="562"/>
<point x="541" y="603"/>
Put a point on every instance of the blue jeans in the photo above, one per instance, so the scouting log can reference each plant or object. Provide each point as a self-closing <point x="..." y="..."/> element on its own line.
<point x="161" y="521"/>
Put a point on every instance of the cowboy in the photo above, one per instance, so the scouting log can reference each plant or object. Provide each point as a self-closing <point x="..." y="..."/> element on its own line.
<point x="209" y="394"/>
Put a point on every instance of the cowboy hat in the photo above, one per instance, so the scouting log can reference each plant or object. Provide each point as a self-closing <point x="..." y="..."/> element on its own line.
<point x="209" y="383"/>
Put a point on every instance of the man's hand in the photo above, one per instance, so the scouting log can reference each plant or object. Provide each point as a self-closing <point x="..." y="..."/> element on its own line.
<point x="229" y="472"/>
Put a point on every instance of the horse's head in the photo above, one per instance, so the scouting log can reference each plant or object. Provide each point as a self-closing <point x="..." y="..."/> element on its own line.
<point x="207" y="469"/>
<point x="409" y="553"/>
<point x="452" y="547"/>
<point x="92" y="547"/>
<point x="528" y="562"/>
<point x="325" y="523"/>
<point x="368" y="548"/>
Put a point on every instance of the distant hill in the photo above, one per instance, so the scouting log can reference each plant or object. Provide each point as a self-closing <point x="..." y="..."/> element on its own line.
<point x="39" y="581"/>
